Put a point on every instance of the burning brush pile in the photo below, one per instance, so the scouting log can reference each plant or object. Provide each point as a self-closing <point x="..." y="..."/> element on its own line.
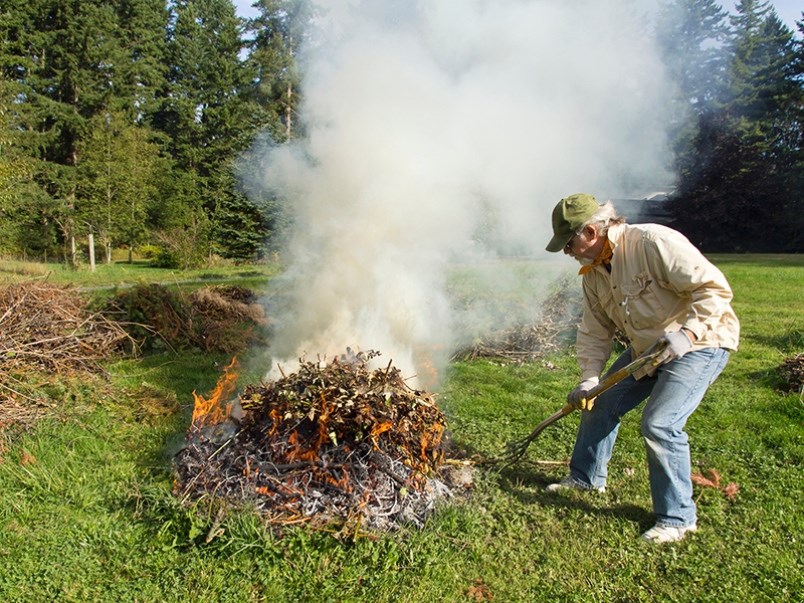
<point x="334" y="442"/>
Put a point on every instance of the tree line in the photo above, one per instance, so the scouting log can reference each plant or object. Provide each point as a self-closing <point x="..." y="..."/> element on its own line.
<point x="738" y="125"/>
<point x="124" y="120"/>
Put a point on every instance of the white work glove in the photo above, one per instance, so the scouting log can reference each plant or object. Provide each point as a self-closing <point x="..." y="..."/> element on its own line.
<point x="676" y="343"/>
<point x="577" y="397"/>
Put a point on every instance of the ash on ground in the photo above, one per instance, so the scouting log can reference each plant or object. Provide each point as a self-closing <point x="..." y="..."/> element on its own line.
<point x="333" y="442"/>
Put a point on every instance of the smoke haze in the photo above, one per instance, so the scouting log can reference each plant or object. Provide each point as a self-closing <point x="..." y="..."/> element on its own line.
<point x="441" y="132"/>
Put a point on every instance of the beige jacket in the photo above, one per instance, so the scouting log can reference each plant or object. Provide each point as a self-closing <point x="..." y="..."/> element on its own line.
<point x="659" y="282"/>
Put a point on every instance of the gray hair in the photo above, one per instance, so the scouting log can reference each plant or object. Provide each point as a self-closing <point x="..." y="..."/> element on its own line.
<point x="603" y="218"/>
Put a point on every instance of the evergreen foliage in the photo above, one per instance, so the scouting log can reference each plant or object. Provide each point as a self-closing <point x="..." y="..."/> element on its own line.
<point x="279" y="31"/>
<point x="119" y="172"/>
<point x="739" y="167"/>
<point x="131" y="119"/>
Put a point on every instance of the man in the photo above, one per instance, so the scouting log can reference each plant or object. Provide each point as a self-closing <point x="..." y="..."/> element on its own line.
<point x="650" y="283"/>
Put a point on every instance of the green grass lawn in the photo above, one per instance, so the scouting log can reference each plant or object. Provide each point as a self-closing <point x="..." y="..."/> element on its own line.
<point x="121" y="274"/>
<point x="87" y="514"/>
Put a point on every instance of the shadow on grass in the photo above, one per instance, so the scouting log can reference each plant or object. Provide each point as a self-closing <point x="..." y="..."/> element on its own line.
<point x="176" y="375"/>
<point x="526" y="481"/>
<point x="789" y="342"/>
<point x="528" y="486"/>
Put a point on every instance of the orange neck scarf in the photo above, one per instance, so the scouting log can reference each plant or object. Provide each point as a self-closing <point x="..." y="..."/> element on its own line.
<point x="604" y="258"/>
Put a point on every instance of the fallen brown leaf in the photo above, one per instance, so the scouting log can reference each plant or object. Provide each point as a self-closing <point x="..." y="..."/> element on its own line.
<point x="27" y="458"/>
<point x="479" y="591"/>
<point x="731" y="491"/>
<point x="713" y="481"/>
<point x="702" y="481"/>
<point x="715" y="477"/>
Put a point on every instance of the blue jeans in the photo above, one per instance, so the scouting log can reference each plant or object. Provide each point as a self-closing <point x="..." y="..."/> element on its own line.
<point x="673" y="393"/>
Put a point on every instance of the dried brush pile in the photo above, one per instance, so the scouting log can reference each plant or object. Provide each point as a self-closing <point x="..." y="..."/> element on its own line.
<point x="214" y="319"/>
<point x="49" y="327"/>
<point x="553" y="327"/>
<point x="225" y="318"/>
<point x="792" y="372"/>
<point x="47" y="331"/>
<point x="334" y="442"/>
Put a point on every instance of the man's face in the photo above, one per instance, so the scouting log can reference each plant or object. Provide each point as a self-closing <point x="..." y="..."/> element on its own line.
<point x="583" y="246"/>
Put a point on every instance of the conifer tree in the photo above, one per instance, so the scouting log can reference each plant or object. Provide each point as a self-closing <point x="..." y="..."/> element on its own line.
<point x="206" y="112"/>
<point x="692" y="35"/>
<point x="741" y="171"/>
<point x="119" y="173"/>
<point x="279" y="31"/>
<point x="70" y="62"/>
<point x="142" y="75"/>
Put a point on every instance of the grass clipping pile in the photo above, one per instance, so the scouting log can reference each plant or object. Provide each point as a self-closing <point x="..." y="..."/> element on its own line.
<point x="334" y="443"/>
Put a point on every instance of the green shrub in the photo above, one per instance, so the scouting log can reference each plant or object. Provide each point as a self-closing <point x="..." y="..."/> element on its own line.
<point x="149" y="252"/>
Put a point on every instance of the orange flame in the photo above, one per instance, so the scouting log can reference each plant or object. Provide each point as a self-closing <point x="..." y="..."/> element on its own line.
<point x="323" y="421"/>
<point x="378" y="429"/>
<point x="209" y="411"/>
<point x="342" y="483"/>
<point x="276" y="419"/>
<point x="431" y="438"/>
<point x="426" y="361"/>
<point x="297" y="451"/>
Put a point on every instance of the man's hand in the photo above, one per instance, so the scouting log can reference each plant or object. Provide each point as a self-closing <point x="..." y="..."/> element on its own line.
<point x="577" y="397"/>
<point x="676" y="343"/>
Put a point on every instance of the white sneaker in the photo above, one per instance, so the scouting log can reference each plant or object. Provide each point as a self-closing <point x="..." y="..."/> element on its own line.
<point x="572" y="483"/>
<point x="659" y="534"/>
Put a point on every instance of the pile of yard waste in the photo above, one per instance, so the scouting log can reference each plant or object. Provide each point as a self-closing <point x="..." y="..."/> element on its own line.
<point x="552" y="327"/>
<point x="792" y="372"/>
<point x="50" y="327"/>
<point x="336" y="441"/>
<point x="48" y="332"/>
<point x="224" y="318"/>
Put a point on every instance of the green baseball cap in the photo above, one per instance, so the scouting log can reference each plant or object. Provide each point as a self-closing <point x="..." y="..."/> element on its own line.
<point x="568" y="216"/>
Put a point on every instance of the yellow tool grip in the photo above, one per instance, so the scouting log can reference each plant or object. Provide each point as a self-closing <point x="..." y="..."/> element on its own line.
<point x="651" y="357"/>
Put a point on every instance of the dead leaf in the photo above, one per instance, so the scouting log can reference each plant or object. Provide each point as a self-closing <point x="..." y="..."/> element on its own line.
<point x="713" y="481"/>
<point x="479" y="591"/>
<point x="731" y="491"/>
<point x="702" y="481"/>
<point x="27" y="458"/>
<point x="715" y="477"/>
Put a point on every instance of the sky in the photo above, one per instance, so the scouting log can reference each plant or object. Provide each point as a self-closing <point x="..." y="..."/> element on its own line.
<point x="244" y="9"/>
<point x="789" y="11"/>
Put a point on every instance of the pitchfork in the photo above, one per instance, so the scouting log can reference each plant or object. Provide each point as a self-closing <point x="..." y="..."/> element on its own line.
<point x="516" y="450"/>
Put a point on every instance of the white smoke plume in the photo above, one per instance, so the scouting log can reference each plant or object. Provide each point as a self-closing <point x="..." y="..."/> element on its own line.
<point x="430" y="123"/>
